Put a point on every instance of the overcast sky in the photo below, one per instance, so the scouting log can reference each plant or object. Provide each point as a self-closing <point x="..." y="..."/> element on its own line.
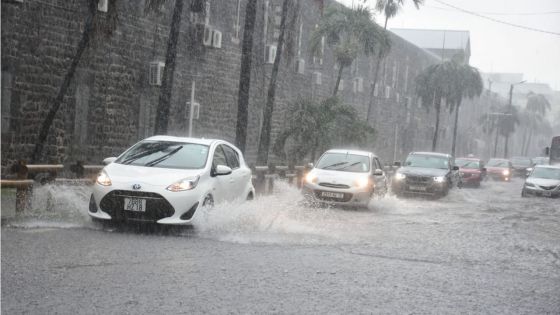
<point x="496" y="47"/>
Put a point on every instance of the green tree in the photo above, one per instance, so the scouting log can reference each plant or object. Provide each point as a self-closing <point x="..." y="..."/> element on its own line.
<point x="94" y="26"/>
<point x="533" y="118"/>
<point x="245" y="75"/>
<point x="349" y="32"/>
<point x="508" y="124"/>
<point x="433" y="84"/>
<point x="390" y="9"/>
<point x="315" y="126"/>
<point x="467" y="83"/>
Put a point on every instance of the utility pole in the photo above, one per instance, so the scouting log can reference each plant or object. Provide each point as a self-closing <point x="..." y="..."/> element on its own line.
<point x="510" y="111"/>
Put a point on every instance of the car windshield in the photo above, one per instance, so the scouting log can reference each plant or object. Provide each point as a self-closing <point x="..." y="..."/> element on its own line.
<point x="344" y="162"/>
<point x="521" y="162"/>
<point x="470" y="164"/>
<point x="166" y="154"/>
<point x="427" y="161"/>
<point x="498" y="163"/>
<point x="546" y="172"/>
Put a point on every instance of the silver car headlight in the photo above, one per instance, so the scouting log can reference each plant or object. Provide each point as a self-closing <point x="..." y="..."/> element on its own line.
<point x="103" y="179"/>
<point x="439" y="179"/>
<point x="361" y="182"/>
<point x="311" y="178"/>
<point x="529" y="184"/>
<point x="400" y="176"/>
<point x="184" y="184"/>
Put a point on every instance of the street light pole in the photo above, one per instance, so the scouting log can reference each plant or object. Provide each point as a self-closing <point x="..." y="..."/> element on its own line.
<point x="510" y="110"/>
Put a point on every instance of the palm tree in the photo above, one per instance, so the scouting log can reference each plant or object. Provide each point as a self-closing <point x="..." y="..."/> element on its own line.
<point x="535" y="111"/>
<point x="313" y="126"/>
<point x="164" y="104"/>
<point x="348" y="31"/>
<point x="264" y="139"/>
<point x="93" y="26"/>
<point x="508" y="124"/>
<point x="467" y="83"/>
<point x="434" y="84"/>
<point x="389" y="8"/>
<point x="245" y="75"/>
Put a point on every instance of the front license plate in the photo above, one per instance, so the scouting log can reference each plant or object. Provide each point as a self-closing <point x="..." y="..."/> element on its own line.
<point x="135" y="204"/>
<point x="332" y="194"/>
<point x="417" y="188"/>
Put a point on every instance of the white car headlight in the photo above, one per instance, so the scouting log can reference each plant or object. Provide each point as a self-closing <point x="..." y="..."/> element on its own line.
<point x="505" y="172"/>
<point x="400" y="176"/>
<point x="311" y="178"/>
<point x="439" y="179"/>
<point x="103" y="179"/>
<point x="184" y="184"/>
<point x="529" y="184"/>
<point x="361" y="182"/>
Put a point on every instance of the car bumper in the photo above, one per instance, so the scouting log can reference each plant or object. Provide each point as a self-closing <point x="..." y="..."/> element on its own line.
<point x="431" y="188"/>
<point x="499" y="177"/>
<point x="350" y="196"/>
<point x="534" y="191"/>
<point x="471" y="180"/>
<point x="162" y="206"/>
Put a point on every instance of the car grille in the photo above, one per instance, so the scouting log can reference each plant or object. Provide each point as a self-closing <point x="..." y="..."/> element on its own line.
<point x="547" y="187"/>
<point x="157" y="207"/>
<point x="346" y="198"/>
<point x="418" y="180"/>
<point x="341" y="186"/>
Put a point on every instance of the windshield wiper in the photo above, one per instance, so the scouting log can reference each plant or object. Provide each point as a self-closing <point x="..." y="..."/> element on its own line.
<point x="165" y="157"/>
<point x="142" y="154"/>
<point x="335" y="164"/>
<point x="356" y="163"/>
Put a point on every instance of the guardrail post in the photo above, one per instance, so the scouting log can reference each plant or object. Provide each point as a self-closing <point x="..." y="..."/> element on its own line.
<point x="270" y="179"/>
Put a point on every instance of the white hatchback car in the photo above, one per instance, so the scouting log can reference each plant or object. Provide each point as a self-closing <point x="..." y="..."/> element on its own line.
<point x="167" y="179"/>
<point x="346" y="177"/>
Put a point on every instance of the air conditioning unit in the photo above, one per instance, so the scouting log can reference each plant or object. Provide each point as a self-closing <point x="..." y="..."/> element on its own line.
<point x="387" y="91"/>
<point x="156" y="72"/>
<point x="318" y="78"/>
<point x="196" y="110"/>
<point x="103" y="5"/>
<point x="208" y="35"/>
<point x="216" y="39"/>
<point x="358" y="85"/>
<point x="270" y="53"/>
<point x="300" y="66"/>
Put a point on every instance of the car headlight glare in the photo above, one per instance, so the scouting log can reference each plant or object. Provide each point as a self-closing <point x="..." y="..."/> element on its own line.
<point x="361" y="182"/>
<point x="400" y="176"/>
<point x="439" y="179"/>
<point x="103" y="179"/>
<point x="505" y="172"/>
<point x="311" y="178"/>
<point x="184" y="184"/>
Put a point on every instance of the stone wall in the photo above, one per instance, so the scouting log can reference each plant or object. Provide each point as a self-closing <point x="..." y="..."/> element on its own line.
<point x="111" y="105"/>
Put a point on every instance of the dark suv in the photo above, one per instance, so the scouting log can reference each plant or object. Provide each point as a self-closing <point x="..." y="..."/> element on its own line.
<point x="426" y="173"/>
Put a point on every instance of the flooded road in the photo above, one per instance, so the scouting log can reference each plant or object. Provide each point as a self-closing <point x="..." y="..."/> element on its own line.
<point x="475" y="251"/>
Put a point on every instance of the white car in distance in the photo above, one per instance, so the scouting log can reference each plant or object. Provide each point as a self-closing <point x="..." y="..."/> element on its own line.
<point x="167" y="180"/>
<point x="346" y="177"/>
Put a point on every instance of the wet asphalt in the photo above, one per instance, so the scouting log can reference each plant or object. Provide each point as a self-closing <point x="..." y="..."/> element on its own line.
<point x="483" y="251"/>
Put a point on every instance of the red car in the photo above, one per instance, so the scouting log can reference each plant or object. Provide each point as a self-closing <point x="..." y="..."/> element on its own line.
<point x="499" y="169"/>
<point x="472" y="171"/>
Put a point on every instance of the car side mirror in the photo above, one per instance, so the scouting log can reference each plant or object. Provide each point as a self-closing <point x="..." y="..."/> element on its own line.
<point x="378" y="172"/>
<point x="309" y="165"/>
<point x="397" y="163"/>
<point x="455" y="168"/>
<point x="109" y="160"/>
<point x="222" y="170"/>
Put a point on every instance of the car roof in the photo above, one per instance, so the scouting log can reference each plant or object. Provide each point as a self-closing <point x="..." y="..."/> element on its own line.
<point x="468" y="159"/>
<point x="356" y="152"/>
<point x="183" y="139"/>
<point x="548" y="166"/>
<point x="431" y="153"/>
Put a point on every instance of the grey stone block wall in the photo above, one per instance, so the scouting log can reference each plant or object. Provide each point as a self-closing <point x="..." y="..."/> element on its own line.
<point x="110" y="104"/>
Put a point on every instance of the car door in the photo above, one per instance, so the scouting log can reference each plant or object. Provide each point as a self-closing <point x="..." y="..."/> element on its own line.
<point x="379" y="180"/>
<point x="238" y="178"/>
<point x="221" y="189"/>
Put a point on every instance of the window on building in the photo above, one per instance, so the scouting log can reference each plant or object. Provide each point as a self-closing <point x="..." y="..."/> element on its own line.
<point x="6" y="101"/>
<point x="236" y="22"/>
